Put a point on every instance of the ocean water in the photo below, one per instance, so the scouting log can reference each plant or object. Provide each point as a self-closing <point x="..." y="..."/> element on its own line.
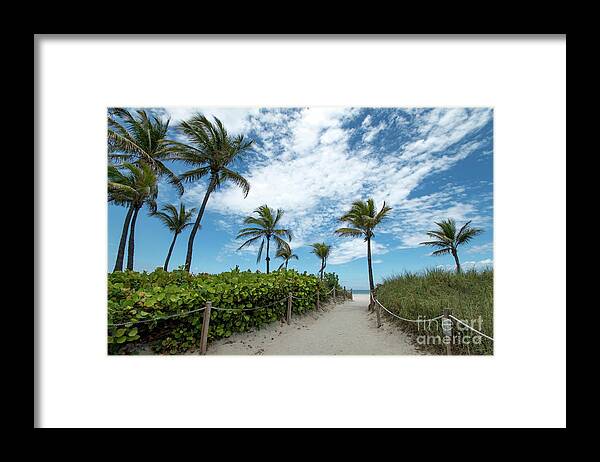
<point x="360" y="291"/>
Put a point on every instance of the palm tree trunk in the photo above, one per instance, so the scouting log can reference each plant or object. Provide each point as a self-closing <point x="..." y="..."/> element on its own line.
<point x="455" y="255"/>
<point x="190" y="246"/>
<point x="130" y="249"/>
<point x="123" y="241"/>
<point x="286" y="262"/>
<point x="166" y="267"/>
<point x="268" y="241"/>
<point x="371" y="283"/>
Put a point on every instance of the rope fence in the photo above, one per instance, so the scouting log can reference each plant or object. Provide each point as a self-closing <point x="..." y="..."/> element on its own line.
<point x="133" y="323"/>
<point x="408" y="320"/>
<point x="446" y="316"/>
<point x="474" y="330"/>
<point x="250" y="309"/>
<point x="208" y="308"/>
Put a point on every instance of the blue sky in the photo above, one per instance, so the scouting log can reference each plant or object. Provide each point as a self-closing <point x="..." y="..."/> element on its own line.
<point x="426" y="163"/>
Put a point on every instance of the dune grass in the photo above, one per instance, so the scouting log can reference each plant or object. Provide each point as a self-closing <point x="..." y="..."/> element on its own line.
<point x="468" y="296"/>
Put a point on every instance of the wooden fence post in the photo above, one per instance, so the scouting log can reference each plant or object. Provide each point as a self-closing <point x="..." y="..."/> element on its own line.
<point x="351" y="297"/>
<point x="345" y="293"/>
<point x="289" y="308"/>
<point x="318" y="300"/>
<point x="446" y="321"/>
<point x="334" y="295"/>
<point x="377" y="308"/>
<point x="205" y="324"/>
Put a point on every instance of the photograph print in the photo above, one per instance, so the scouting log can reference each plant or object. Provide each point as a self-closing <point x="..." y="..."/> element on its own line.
<point x="300" y="231"/>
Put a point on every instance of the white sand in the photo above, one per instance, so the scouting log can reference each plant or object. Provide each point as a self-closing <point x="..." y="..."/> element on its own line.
<point x="342" y="329"/>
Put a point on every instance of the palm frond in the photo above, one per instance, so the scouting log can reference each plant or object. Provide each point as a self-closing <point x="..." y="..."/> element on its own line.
<point x="444" y="251"/>
<point x="353" y="232"/>
<point x="436" y="243"/>
<point x="235" y="178"/>
<point x="210" y="150"/>
<point x="248" y="242"/>
<point x="466" y="233"/>
<point x="194" y="174"/>
<point x="260" y="251"/>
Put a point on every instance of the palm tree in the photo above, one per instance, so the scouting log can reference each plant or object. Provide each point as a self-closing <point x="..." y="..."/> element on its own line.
<point x="285" y="252"/>
<point x="264" y="228"/>
<point x="118" y="197"/>
<point x="211" y="151"/>
<point x="363" y="217"/>
<point x="136" y="187"/>
<point x="141" y="139"/>
<point x="321" y="250"/>
<point x="447" y="239"/>
<point x="176" y="221"/>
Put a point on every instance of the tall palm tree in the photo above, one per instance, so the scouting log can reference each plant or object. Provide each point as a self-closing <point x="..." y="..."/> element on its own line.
<point x="264" y="228"/>
<point x="210" y="151"/>
<point x="285" y="252"/>
<point x="176" y="221"/>
<point x="447" y="239"/>
<point x="321" y="250"/>
<point x="117" y="196"/>
<point x="136" y="185"/>
<point x="141" y="139"/>
<point x="363" y="217"/>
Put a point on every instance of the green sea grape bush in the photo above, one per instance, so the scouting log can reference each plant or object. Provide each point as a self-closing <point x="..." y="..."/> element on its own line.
<point x="331" y="280"/>
<point x="468" y="296"/>
<point x="135" y="297"/>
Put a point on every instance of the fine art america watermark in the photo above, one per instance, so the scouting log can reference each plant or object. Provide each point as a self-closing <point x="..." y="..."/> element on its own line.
<point x="452" y="333"/>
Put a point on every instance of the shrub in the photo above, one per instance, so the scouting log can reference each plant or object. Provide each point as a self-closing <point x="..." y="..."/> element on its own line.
<point x="135" y="297"/>
<point x="331" y="280"/>
<point x="468" y="296"/>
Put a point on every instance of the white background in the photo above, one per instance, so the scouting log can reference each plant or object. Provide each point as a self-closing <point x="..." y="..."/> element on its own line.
<point x="523" y="385"/>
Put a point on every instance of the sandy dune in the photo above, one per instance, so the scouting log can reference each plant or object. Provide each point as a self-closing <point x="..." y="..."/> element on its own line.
<point x="342" y="329"/>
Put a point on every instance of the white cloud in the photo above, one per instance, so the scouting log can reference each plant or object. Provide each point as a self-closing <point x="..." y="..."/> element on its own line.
<point x="470" y="265"/>
<point x="483" y="248"/>
<point x="351" y="249"/>
<point x="236" y="120"/>
<point x="372" y="132"/>
<point x="309" y="180"/>
<point x="308" y="166"/>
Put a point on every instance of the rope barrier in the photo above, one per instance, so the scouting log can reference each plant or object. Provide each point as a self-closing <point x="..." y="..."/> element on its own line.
<point x="249" y="309"/>
<point x="474" y="330"/>
<point x="156" y="319"/>
<point x="432" y="319"/>
<point x="301" y="298"/>
<point x="408" y="320"/>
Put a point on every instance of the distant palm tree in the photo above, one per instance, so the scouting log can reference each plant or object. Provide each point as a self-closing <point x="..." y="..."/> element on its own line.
<point x="176" y="221"/>
<point x="448" y="240"/>
<point x="285" y="252"/>
<point x="321" y="250"/>
<point x="264" y="228"/>
<point x="211" y="151"/>
<point x="136" y="186"/>
<point x="363" y="217"/>
<point x="141" y="139"/>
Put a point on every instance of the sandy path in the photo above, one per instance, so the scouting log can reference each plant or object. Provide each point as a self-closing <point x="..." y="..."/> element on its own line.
<point x="343" y="329"/>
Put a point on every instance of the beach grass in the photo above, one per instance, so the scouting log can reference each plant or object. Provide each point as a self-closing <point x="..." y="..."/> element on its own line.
<point x="424" y="295"/>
